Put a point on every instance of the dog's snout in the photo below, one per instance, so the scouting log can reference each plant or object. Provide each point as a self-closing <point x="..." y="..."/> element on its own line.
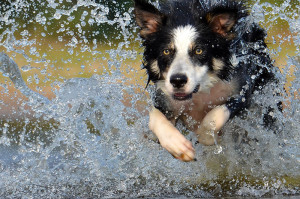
<point x="178" y="80"/>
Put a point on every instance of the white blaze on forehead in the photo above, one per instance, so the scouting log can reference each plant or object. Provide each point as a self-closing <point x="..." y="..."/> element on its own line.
<point x="184" y="36"/>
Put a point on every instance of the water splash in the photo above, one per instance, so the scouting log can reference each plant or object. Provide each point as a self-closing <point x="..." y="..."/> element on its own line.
<point x="92" y="139"/>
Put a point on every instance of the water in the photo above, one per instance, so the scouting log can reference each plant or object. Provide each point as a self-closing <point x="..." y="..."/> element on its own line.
<point x="91" y="139"/>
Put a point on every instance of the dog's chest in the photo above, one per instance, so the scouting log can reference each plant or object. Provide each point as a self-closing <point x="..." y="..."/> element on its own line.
<point x="193" y="112"/>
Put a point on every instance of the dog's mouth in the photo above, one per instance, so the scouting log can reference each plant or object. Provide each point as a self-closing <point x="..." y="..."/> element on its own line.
<point x="181" y="96"/>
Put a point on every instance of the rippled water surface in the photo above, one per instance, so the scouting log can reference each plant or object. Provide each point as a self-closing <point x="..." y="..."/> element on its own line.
<point x="76" y="127"/>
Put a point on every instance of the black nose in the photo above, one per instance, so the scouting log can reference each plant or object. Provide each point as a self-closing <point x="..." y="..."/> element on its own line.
<point x="178" y="80"/>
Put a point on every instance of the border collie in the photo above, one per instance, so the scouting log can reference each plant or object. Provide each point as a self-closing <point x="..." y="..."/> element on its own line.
<point x="206" y="59"/>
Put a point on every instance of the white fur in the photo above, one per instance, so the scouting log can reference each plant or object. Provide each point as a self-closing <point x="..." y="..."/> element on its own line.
<point x="207" y="82"/>
<point x="184" y="36"/>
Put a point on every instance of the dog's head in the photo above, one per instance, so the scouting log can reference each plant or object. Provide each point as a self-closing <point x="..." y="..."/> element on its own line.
<point x="186" y="46"/>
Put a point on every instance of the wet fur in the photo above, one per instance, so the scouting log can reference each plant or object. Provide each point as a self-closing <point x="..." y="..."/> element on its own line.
<point x="231" y="64"/>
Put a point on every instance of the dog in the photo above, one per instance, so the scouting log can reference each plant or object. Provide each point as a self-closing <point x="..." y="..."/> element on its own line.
<point x="205" y="59"/>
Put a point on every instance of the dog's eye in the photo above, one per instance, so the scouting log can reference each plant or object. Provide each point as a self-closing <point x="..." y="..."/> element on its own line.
<point x="166" y="52"/>
<point x="198" y="51"/>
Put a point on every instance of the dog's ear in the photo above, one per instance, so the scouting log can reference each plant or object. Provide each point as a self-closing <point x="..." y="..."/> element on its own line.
<point x="222" y="23"/>
<point x="220" y="18"/>
<point x="148" y="18"/>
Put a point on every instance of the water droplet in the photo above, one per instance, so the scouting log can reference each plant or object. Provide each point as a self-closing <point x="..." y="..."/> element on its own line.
<point x="57" y="15"/>
<point x="26" y="68"/>
<point x="218" y="149"/>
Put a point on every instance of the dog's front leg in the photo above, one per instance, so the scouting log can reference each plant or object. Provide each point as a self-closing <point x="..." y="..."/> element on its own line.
<point x="170" y="138"/>
<point x="212" y="124"/>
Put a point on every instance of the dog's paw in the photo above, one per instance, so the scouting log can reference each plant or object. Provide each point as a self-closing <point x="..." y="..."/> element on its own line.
<point x="170" y="138"/>
<point x="174" y="142"/>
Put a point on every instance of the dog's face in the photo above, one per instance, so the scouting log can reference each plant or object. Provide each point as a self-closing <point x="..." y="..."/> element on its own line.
<point x="185" y="51"/>
<point x="182" y="63"/>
